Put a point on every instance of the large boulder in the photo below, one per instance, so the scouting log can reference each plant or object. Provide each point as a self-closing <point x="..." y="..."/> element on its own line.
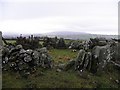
<point x="1" y="46"/>
<point x="97" y="42"/>
<point x="115" y="53"/>
<point x="83" y="60"/>
<point x="115" y="49"/>
<point x="101" y="55"/>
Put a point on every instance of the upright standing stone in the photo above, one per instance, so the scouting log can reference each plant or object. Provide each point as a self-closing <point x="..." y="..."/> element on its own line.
<point x="1" y="39"/>
<point x="61" y="43"/>
<point x="1" y="44"/>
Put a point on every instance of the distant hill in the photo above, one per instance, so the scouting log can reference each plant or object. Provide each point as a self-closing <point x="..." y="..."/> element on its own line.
<point x="63" y="34"/>
<point x="77" y="35"/>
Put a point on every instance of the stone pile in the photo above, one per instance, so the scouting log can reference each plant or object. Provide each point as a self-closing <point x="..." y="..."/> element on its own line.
<point x="28" y="43"/>
<point x="54" y="43"/>
<point x="25" y="62"/>
<point x="61" y="44"/>
<point x="96" y="59"/>
<point x="75" y="45"/>
<point x="50" y="42"/>
<point x="97" y="42"/>
<point x="78" y="45"/>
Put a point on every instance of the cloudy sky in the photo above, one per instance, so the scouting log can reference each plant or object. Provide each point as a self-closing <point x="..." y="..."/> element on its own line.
<point x="42" y="16"/>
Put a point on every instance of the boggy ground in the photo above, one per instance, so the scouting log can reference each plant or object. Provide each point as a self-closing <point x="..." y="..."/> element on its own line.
<point x="50" y="78"/>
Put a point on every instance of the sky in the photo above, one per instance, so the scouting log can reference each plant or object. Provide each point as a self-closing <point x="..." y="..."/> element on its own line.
<point x="43" y="16"/>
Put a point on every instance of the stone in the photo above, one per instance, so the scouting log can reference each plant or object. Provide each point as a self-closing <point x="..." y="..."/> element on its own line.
<point x="29" y="51"/>
<point x="74" y="50"/>
<point x="43" y="50"/>
<point x="87" y="63"/>
<point x="18" y="47"/>
<point x="28" y="43"/>
<point x="69" y="65"/>
<point x="94" y="60"/>
<point x="22" y="51"/>
<point x="117" y="81"/>
<point x="75" y="45"/>
<point x="80" y="60"/>
<point x="58" y="70"/>
<point x="50" y="42"/>
<point x="100" y="57"/>
<point x="61" y="43"/>
<point x="83" y="75"/>
<point x="97" y="42"/>
<point x="61" y="66"/>
<point x="28" y="58"/>
<point x="25" y="61"/>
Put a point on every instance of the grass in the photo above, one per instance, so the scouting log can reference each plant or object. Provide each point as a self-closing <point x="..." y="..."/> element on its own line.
<point x="52" y="79"/>
<point x="65" y="79"/>
<point x="68" y="40"/>
<point x="9" y="41"/>
<point x="62" y="55"/>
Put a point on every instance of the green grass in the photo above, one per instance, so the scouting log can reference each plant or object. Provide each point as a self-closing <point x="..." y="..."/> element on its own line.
<point x="65" y="79"/>
<point x="52" y="79"/>
<point x="14" y="41"/>
<point x="62" y="55"/>
<point x="9" y="41"/>
<point x="68" y="40"/>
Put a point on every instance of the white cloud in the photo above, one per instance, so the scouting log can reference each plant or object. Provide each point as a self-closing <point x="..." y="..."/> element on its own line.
<point x="40" y="16"/>
<point x="48" y="24"/>
<point x="59" y="1"/>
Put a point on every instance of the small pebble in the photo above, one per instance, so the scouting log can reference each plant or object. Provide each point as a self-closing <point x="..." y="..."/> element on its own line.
<point x="117" y="81"/>
<point x="58" y="70"/>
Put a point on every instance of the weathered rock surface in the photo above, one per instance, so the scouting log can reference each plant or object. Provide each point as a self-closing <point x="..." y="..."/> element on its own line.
<point x="25" y="61"/>
<point x="96" y="59"/>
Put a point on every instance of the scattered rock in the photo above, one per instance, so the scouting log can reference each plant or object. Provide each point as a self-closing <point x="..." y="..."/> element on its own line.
<point x="58" y="70"/>
<point x="117" y="81"/>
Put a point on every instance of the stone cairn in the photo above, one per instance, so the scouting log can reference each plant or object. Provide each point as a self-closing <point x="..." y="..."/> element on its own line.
<point x="96" y="55"/>
<point x="54" y="43"/>
<point x="61" y="44"/>
<point x="25" y="62"/>
<point x="28" y="43"/>
<point x="50" y="42"/>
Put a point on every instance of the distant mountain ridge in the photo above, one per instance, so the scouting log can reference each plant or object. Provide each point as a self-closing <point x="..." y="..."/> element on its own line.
<point x="77" y="35"/>
<point x="64" y="34"/>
